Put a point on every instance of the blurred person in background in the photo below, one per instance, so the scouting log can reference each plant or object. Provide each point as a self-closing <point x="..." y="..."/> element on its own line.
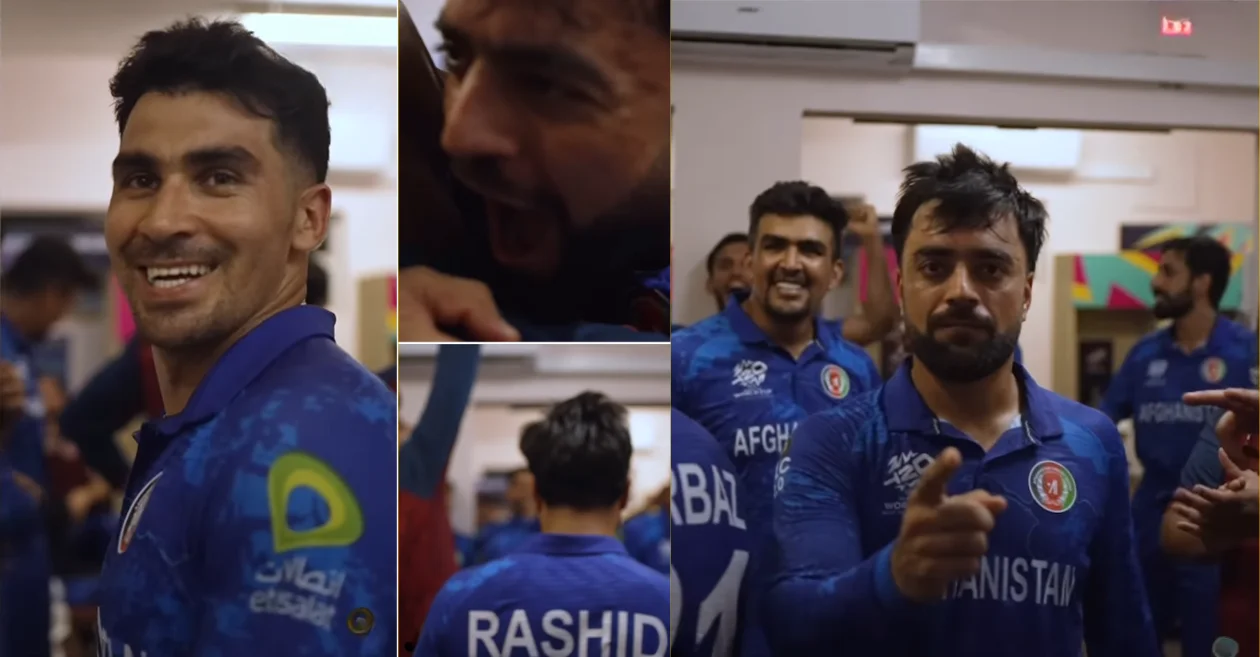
<point x="1200" y="350"/>
<point x="1213" y="516"/>
<point x="426" y="543"/>
<point x="558" y="116"/>
<point x="39" y="288"/>
<point x="464" y="544"/>
<point x="219" y="198"/>
<point x="646" y="533"/>
<point x="126" y="388"/>
<point x="501" y="538"/>
<point x="726" y="266"/>
<point x="574" y="584"/>
<point x="749" y="374"/>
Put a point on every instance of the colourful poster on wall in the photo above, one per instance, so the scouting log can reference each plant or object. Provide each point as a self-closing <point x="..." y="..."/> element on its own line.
<point x="1122" y="281"/>
<point x="1240" y="238"/>
<point x="125" y="323"/>
<point x="391" y="321"/>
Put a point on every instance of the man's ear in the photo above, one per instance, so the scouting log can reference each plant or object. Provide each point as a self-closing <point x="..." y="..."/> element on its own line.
<point x="314" y="213"/>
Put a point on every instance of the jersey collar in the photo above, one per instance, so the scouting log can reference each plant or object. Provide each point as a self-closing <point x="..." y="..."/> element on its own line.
<point x="749" y="333"/>
<point x="1222" y="335"/>
<point x="247" y="359"/>
<point x="572" y="545"/>
<point x="906" y="411"/>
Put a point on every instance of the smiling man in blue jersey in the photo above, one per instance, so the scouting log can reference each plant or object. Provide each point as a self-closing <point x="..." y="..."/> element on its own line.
<point x="961" y="510"/>
<point x="750" y="373"/>
<point x="259" y="516"/>
<point x="709" y="568"/>
<point x="1201" y="350"/>
<point x="573" y="589"/>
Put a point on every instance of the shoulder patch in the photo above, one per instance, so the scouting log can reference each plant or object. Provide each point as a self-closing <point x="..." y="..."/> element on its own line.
<point x="295" y="470"/>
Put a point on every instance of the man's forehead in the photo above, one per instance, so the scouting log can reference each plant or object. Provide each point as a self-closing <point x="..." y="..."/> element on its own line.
<point x="501" y="21"/>
<point x="191" y="117"/>
<point x="927" y="226"/>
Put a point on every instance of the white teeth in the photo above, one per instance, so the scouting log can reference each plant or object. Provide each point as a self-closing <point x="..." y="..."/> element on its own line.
<point x="175" y="276"/>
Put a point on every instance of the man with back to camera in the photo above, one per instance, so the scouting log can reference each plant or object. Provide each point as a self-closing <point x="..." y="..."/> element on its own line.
<point x="708" y="570"/>
<point x="558" y="115"/>
<point x="727" y="278"/>
<point x="749" y="374"/>
<point x="961" y="509"/>
<point x="573" y="589"/>
<point x="254" y="520"/>
<point x="1213" y="517"/>
<point x="1201" y="350"/>
<point x="39" y="289"/>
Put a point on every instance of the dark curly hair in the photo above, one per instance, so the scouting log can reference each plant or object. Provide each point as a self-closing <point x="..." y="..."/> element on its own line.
<point x="974" y="193"/>
<point x="223" y="57"/>
<point x="799" y="199"/>
<point x="580" y="453"/>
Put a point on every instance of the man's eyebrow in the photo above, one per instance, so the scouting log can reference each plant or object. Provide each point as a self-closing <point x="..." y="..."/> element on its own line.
<point x="130" y="161"/>
<point x="237" y="156"/>
<point x="559" y="61"/>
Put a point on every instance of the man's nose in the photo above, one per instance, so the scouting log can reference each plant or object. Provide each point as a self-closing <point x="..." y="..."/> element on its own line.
<point x="479" y="120"/>
<point x="170" y="212"/>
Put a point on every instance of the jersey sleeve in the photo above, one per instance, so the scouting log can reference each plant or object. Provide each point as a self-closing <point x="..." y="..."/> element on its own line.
<point x="19" y="512"/>
<point x="1117" y="402"/>
<point x="423" y="458"/>
<point x="826" y="593"/>
<point x="299" y="534"/>
<point x="1204" y="465"/>
<point x="1117" y="615"/>
<point x="436" y="638"/>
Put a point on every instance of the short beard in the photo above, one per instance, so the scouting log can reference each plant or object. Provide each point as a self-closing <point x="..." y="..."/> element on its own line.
<point x="961" y="364"/>
<point x="1172" y="306"/>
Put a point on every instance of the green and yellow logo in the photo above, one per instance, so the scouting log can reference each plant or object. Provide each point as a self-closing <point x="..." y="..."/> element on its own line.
<point x="296" y="470"/>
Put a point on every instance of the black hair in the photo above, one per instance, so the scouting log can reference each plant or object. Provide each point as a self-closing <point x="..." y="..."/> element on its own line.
<point x="316" y="285"/>
<point x="1204" y="255"/>
<point x="974" y="193"/>
<point x="727" y="240"/>
<point x="799" y="199"/>
<point x="580" y="453"/>
<point x="223" y="57"/>
<point x="48" y="262"/>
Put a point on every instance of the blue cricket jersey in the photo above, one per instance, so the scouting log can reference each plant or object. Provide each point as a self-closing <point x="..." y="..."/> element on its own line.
<point x="1060" y="570"/>
<point x="709" y="568"/>
<point x="1148" y="388"/>
<point x="498" y="540"/>
<point x="750" y="394"/>
<point x="258" y="521"/>
<point x="24" y="577"/>
<point x="646" y="536"/>
<point x="557" y="595"/>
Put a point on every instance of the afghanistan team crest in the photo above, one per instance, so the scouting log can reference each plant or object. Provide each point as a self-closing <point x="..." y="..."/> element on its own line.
<point x="1213" y="370"/>
<point x="132" y="519"/>
<point x="835" y="382"/>
<point x="1052" y="486"/>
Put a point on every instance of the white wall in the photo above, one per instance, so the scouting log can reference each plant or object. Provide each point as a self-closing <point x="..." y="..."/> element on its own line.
<point x="737" y="132"/>
<point x="504" y="401"/>
<point x="1122" y="178"/>
<point x="57" y="138"/>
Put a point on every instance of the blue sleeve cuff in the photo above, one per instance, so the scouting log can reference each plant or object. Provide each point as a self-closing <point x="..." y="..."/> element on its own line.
<point x="885" y="586"/>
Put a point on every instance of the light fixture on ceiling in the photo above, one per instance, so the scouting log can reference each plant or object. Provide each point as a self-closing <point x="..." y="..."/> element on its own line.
<point x="324" y="30"/>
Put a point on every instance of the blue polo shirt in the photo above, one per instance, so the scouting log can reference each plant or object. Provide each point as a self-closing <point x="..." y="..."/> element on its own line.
<point x="646" y="536"/>
<point x="749" y="394"/>
<point x="1060" y="570"/>
<point x="557" y="595"/>
<point x="255" y="521"/>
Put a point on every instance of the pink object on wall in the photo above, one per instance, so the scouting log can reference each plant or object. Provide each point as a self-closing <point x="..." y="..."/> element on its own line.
<point x="126" y="323"/>
<point x="864" y="275"/>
